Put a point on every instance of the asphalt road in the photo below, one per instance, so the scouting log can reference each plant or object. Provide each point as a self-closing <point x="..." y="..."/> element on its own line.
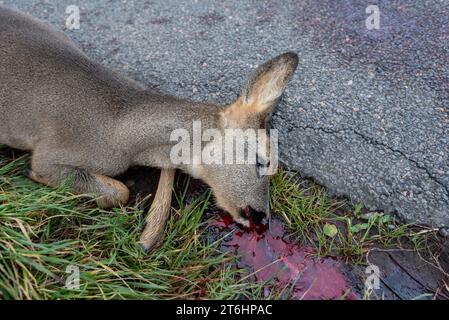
<point x="366" y="114"/>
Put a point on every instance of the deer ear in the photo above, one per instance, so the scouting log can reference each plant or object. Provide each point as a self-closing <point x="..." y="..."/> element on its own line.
<point x="264" y="88"/>
<point x="268" y="82"/>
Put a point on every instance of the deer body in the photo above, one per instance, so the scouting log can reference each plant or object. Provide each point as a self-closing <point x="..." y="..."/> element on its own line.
<point x="60" y="104"/>
<point x="84" y="121"/>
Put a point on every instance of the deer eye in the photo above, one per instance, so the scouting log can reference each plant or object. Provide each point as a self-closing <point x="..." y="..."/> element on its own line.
<point x="263" y="165"/>
<point x="260" y="164"/>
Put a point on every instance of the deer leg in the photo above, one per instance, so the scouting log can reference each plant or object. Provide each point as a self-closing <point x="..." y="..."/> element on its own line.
<point x="107" y="191"/>
<point x="159" y="211"/>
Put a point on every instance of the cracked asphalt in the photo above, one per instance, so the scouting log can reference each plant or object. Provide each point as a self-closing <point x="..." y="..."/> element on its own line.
<point x="366" y="114"/>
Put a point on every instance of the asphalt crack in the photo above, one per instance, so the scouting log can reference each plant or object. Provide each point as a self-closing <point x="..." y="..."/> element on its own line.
<point x="373" y="141"/>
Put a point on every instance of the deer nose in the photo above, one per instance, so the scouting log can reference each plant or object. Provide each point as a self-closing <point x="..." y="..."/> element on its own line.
<point x="251" y="214"/>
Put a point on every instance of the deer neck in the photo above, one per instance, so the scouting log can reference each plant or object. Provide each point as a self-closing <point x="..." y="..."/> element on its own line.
<point x="154" y="123"/>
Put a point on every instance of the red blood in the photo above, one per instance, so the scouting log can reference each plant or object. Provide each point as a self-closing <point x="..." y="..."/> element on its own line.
<point x="287" y="265"/>
<point x="224" y="221"/>
<point x="239" y="234"/>
<point x="246" y="213"/>
<point x="200" y="293"/>
<point x="257" y="228"/>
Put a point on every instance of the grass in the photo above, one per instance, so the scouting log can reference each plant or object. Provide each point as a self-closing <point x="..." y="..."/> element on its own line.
<point x="44" y="231"/>
<point x="47" y="233"/>
<point x="334" y="227"/>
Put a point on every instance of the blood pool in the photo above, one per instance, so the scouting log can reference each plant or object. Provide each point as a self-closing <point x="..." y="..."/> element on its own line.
<point x="284" y="265"/>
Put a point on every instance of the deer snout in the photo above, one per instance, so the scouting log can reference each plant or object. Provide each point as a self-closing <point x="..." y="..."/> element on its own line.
<point x="253" y="215"/>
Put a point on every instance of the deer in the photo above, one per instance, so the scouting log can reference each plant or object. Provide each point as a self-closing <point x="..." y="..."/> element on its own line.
<point x="86" y="123"/>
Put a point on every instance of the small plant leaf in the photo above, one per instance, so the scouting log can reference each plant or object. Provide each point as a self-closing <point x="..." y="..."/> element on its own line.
<point x="361" y="226"/>
<point x="330" y="230"/>
<point x="358" y="209"/>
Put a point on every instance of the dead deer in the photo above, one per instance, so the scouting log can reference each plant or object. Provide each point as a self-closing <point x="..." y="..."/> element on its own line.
<point x="85" y="122"/>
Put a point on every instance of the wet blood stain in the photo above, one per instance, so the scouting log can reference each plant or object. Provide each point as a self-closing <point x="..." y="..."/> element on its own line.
<point x="285" y="266"/>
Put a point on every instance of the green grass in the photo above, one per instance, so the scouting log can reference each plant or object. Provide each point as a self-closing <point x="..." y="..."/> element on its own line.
<point x="336" y="228"/>
<point x="44" y="231"/>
